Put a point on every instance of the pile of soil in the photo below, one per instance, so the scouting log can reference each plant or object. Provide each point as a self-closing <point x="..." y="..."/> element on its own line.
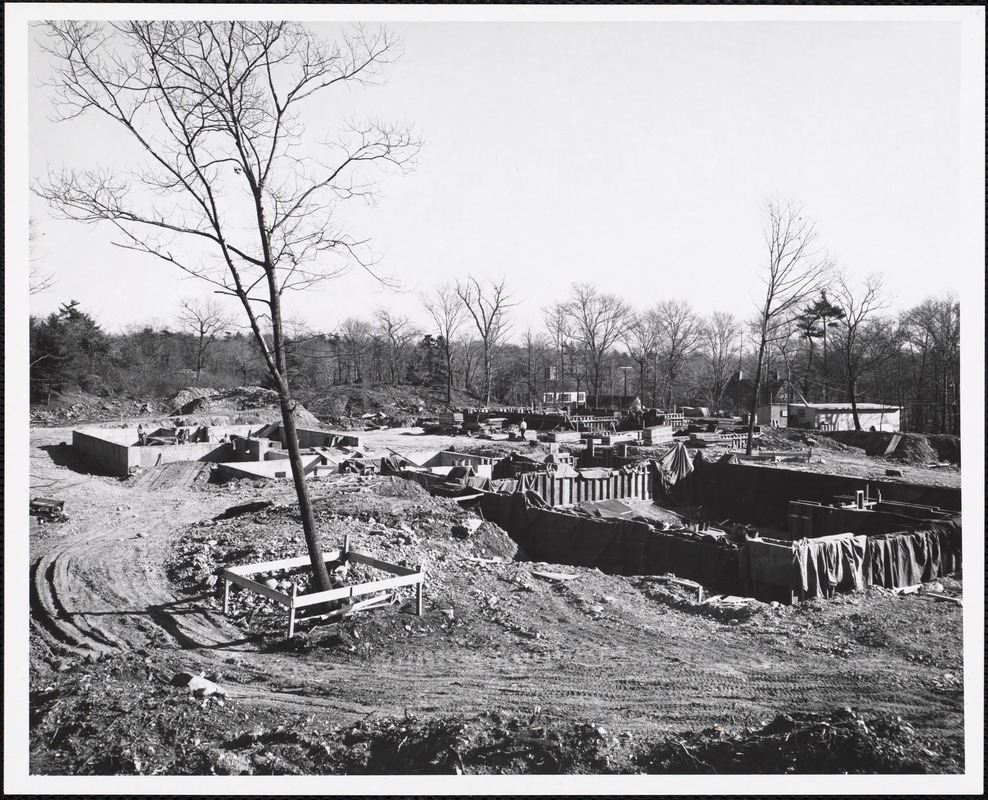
<point x="190" y="400"/>
<point x="802" y="743"/>
<point x="946" y="446"/>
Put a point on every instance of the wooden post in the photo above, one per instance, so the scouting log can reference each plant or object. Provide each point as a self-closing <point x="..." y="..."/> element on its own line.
<point x="418" y="593"/>
<point x="291" y="611"/>
<point x="226" y="597"/>
<point x="346" y="547"/>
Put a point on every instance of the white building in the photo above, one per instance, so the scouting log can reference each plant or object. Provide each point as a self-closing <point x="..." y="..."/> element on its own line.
<point x="839" y="417"/>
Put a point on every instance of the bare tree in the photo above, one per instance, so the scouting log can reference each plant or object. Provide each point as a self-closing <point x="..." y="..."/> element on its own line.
<point x="205" y="319"/>
<point x="931" y="342"/>
<point x="38" y="281"/>
<point x="355" y="336"/>
<point x="599" y="321"/>
<point x="227" y="191"/>
<point x="447" y="312"/>
<point x="721" y="345"/>
<point x="679" y="331"/>
<point x="640" y="339"/>
<point x="794" y="271"/>
<point x="557" y="325"/>
<point x="487" y="303"/>
<point x="863" y="340"/>
<point x="394" y="332"/>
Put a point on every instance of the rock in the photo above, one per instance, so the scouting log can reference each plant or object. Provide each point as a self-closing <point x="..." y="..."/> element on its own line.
<point x="894" y="473"/>
<point x="734" y="621"/>
<point x="227" y="763"/>
<point x="271" y="583"/>
<point x="595" y="609"/>
<point x="609" y="599"/>
<point x="197" y="685"/>
<point x="211" y="581"/>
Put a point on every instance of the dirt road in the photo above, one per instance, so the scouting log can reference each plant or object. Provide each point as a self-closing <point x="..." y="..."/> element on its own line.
<point x="600" y="648"/>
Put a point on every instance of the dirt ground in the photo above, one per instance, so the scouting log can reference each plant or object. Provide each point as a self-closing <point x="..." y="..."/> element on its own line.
<point x="123" y="600"/>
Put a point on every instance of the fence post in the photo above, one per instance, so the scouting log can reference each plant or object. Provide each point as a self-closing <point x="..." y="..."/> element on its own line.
<point x="226" y="597"/>
<point x="419" y="592"/>
<point x="291" y="611"/>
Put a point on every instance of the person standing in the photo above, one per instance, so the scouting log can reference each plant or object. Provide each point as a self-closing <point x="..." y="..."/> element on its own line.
<point x="522" y="428"/>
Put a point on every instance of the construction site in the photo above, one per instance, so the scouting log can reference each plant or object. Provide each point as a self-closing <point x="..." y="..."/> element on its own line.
<point x="514" y="591"/>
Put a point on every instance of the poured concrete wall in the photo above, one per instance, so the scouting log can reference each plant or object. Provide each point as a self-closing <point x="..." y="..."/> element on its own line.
<point x="116" y="450"/>
<point x="278" y="468"/>
<point x="448" y="458"/>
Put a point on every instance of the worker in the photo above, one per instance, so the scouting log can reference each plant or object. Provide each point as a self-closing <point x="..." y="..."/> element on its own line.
<point x="522" y="428"/>
<point x="182" y="435"/>
<point x="141" y="436"/>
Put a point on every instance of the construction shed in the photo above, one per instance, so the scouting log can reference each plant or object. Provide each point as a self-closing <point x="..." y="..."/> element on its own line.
<point x="840" y="417"/>
<point x="773" y="415"/>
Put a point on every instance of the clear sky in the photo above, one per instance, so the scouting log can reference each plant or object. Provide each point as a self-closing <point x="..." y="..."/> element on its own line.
<point x="633" y="155"/>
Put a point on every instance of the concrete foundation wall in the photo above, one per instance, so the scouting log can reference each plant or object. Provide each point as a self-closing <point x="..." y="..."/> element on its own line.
<point x="116" y="450"/>
<point x="446" y="458"/>
<point x="112" y="456"/>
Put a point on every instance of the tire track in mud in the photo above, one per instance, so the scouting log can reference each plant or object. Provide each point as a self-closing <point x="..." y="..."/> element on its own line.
<point x="102" y="586"/>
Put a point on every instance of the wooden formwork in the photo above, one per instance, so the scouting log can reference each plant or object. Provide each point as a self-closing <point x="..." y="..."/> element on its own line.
<point x="568" y="490"/>
<point x="404" y="576"/>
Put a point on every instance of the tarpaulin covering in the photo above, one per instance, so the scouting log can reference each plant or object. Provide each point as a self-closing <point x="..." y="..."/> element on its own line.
<point x="606" y="509"/>
<point x="393" y="465"/>
<point x="823" y="566"/>
<point x="912" y="557"/>
<point x="675" y="465"/>
<point x="830" y="564"/>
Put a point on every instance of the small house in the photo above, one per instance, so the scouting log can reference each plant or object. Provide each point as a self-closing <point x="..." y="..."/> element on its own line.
<point x="840" y="417"/>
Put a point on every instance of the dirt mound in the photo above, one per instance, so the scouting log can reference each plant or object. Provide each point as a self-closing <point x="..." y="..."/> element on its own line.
<point x="913" y="448"/>
<point x="800" y="743"/>
<point x="947" y="447"/>
<point x="190" y="400"/>
<point x="797" y="439"/>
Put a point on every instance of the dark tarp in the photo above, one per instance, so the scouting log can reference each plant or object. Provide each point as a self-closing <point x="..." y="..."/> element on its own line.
<point x="830" y="564"/>
<point x="606" y="509"/>
<point x="912" y="557"/>
<point x="393" y="465"/>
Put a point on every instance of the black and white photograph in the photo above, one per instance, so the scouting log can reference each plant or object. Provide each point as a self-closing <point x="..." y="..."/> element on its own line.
<point x="519" y="399"/>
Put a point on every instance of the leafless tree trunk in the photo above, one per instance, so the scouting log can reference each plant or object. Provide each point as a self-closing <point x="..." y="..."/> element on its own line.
<point x="794" y="271"/>
<point x="395" y="333"/>
<point x="205" y="319"/>
<point x="487" y="303"/>
<point x="679" y="333"/>
<point x="862" y="341"/>
<point x="721" y="344"/>
<point x="229" y="191"/>
<point x="598" y="320"/>
<point x="447" y="312"/>
<point x="641" y="339"/>
<point x="557" y="325"/>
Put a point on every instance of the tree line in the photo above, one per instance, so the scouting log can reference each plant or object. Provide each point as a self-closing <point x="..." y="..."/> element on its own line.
<point x="667" y="355"/>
